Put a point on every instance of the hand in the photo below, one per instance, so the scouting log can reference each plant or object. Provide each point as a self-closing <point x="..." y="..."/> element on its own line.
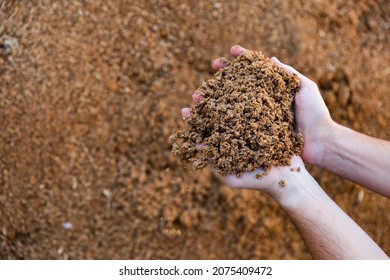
<point x="311" y="114"/>
<point x="313" y="121"/>
<point x="279" y="182"/>
<point x="312" y="117"/>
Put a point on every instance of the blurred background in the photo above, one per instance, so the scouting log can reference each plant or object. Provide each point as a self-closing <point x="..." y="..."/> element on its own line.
<point x="91" y="90"/>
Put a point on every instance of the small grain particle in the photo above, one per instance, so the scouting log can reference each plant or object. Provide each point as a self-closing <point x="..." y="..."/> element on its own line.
<point x="259" y="175"/>
<point x="224" y="61"/>
<point x="299" y="169"/>
<point x="106" y="192"/>
<point x="67" y="226"/>
<point x="360" y="197"/>
<point x="282" y="183"/>
<point x="292" y="169"/>
<point x="11" y="45"/>
<point x="217" y="5"/>
<point x="60" y="250"/>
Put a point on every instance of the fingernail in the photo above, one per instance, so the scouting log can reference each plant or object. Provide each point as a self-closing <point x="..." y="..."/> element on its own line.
<point x="197" y="96"/>
<point x="215" y="64"/>
<point x="219" y="63"/>
<point x="236" y="50"/>
<point x="186" y="112"/>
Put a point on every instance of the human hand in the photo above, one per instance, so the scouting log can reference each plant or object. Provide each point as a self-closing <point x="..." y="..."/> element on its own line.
<point x="311" y="114"/>
<point x="275" y="178"/>
<point x="279" y="182"/>
<point x="312" y="117"/>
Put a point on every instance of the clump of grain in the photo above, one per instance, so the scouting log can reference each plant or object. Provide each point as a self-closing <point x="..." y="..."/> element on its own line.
<point x="245" y="120"/>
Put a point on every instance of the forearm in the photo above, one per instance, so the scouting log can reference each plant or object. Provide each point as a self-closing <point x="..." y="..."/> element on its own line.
<point x="328" y="232"/>
<point x="359" y="158"/>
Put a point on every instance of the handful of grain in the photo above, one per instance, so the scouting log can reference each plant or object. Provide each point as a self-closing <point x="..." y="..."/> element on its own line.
<point x="245" y="120"/>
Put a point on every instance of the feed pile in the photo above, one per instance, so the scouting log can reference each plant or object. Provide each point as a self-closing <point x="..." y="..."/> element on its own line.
<point x="90" y="92"/>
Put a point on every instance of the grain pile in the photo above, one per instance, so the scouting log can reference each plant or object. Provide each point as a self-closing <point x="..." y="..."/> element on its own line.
<point x="89" y="95"/>
<point x="245" y="120"/>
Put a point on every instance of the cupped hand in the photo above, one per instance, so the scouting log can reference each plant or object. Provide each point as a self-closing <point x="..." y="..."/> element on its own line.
<point x="311" y="115"/>
<point x="312" y="118"/>
<point x="273" y="182"/>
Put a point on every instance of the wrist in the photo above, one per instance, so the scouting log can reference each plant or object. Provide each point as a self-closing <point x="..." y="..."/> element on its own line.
<point x="329" y="144"/>
<point x="296" y="187"/>
<point x="322" y="143"/>
<point x="300" y="187"/>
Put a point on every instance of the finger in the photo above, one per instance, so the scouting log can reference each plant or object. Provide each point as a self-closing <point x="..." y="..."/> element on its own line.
<point x="288" y="68"/>
<point x="219" y="63"/>
<point x="233" y="181"/>
<point x="305" y="82"/>
<point x="197" y="96"/>
<point x="237" y="50"/>
<point x="297" y="161"/>
<point x="186" y="112"/>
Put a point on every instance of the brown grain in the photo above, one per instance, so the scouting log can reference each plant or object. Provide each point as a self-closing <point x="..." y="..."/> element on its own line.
<point x="91" y="94"/>
<point x="245" y="120"/>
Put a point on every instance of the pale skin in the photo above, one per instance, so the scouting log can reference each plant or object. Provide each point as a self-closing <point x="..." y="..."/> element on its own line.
<point x="328" y="231"/>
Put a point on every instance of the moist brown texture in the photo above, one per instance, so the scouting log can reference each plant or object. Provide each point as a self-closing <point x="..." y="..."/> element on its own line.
<point x="245" y="120"/>
<point x="93" y="90"/>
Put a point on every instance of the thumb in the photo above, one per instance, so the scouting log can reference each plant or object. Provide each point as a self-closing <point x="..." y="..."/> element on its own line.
<point x="305" y="82"/>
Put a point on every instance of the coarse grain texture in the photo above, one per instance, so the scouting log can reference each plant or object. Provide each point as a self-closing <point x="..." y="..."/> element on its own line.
<point x="90" y="92"/>
<point x="245" y="120"/>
